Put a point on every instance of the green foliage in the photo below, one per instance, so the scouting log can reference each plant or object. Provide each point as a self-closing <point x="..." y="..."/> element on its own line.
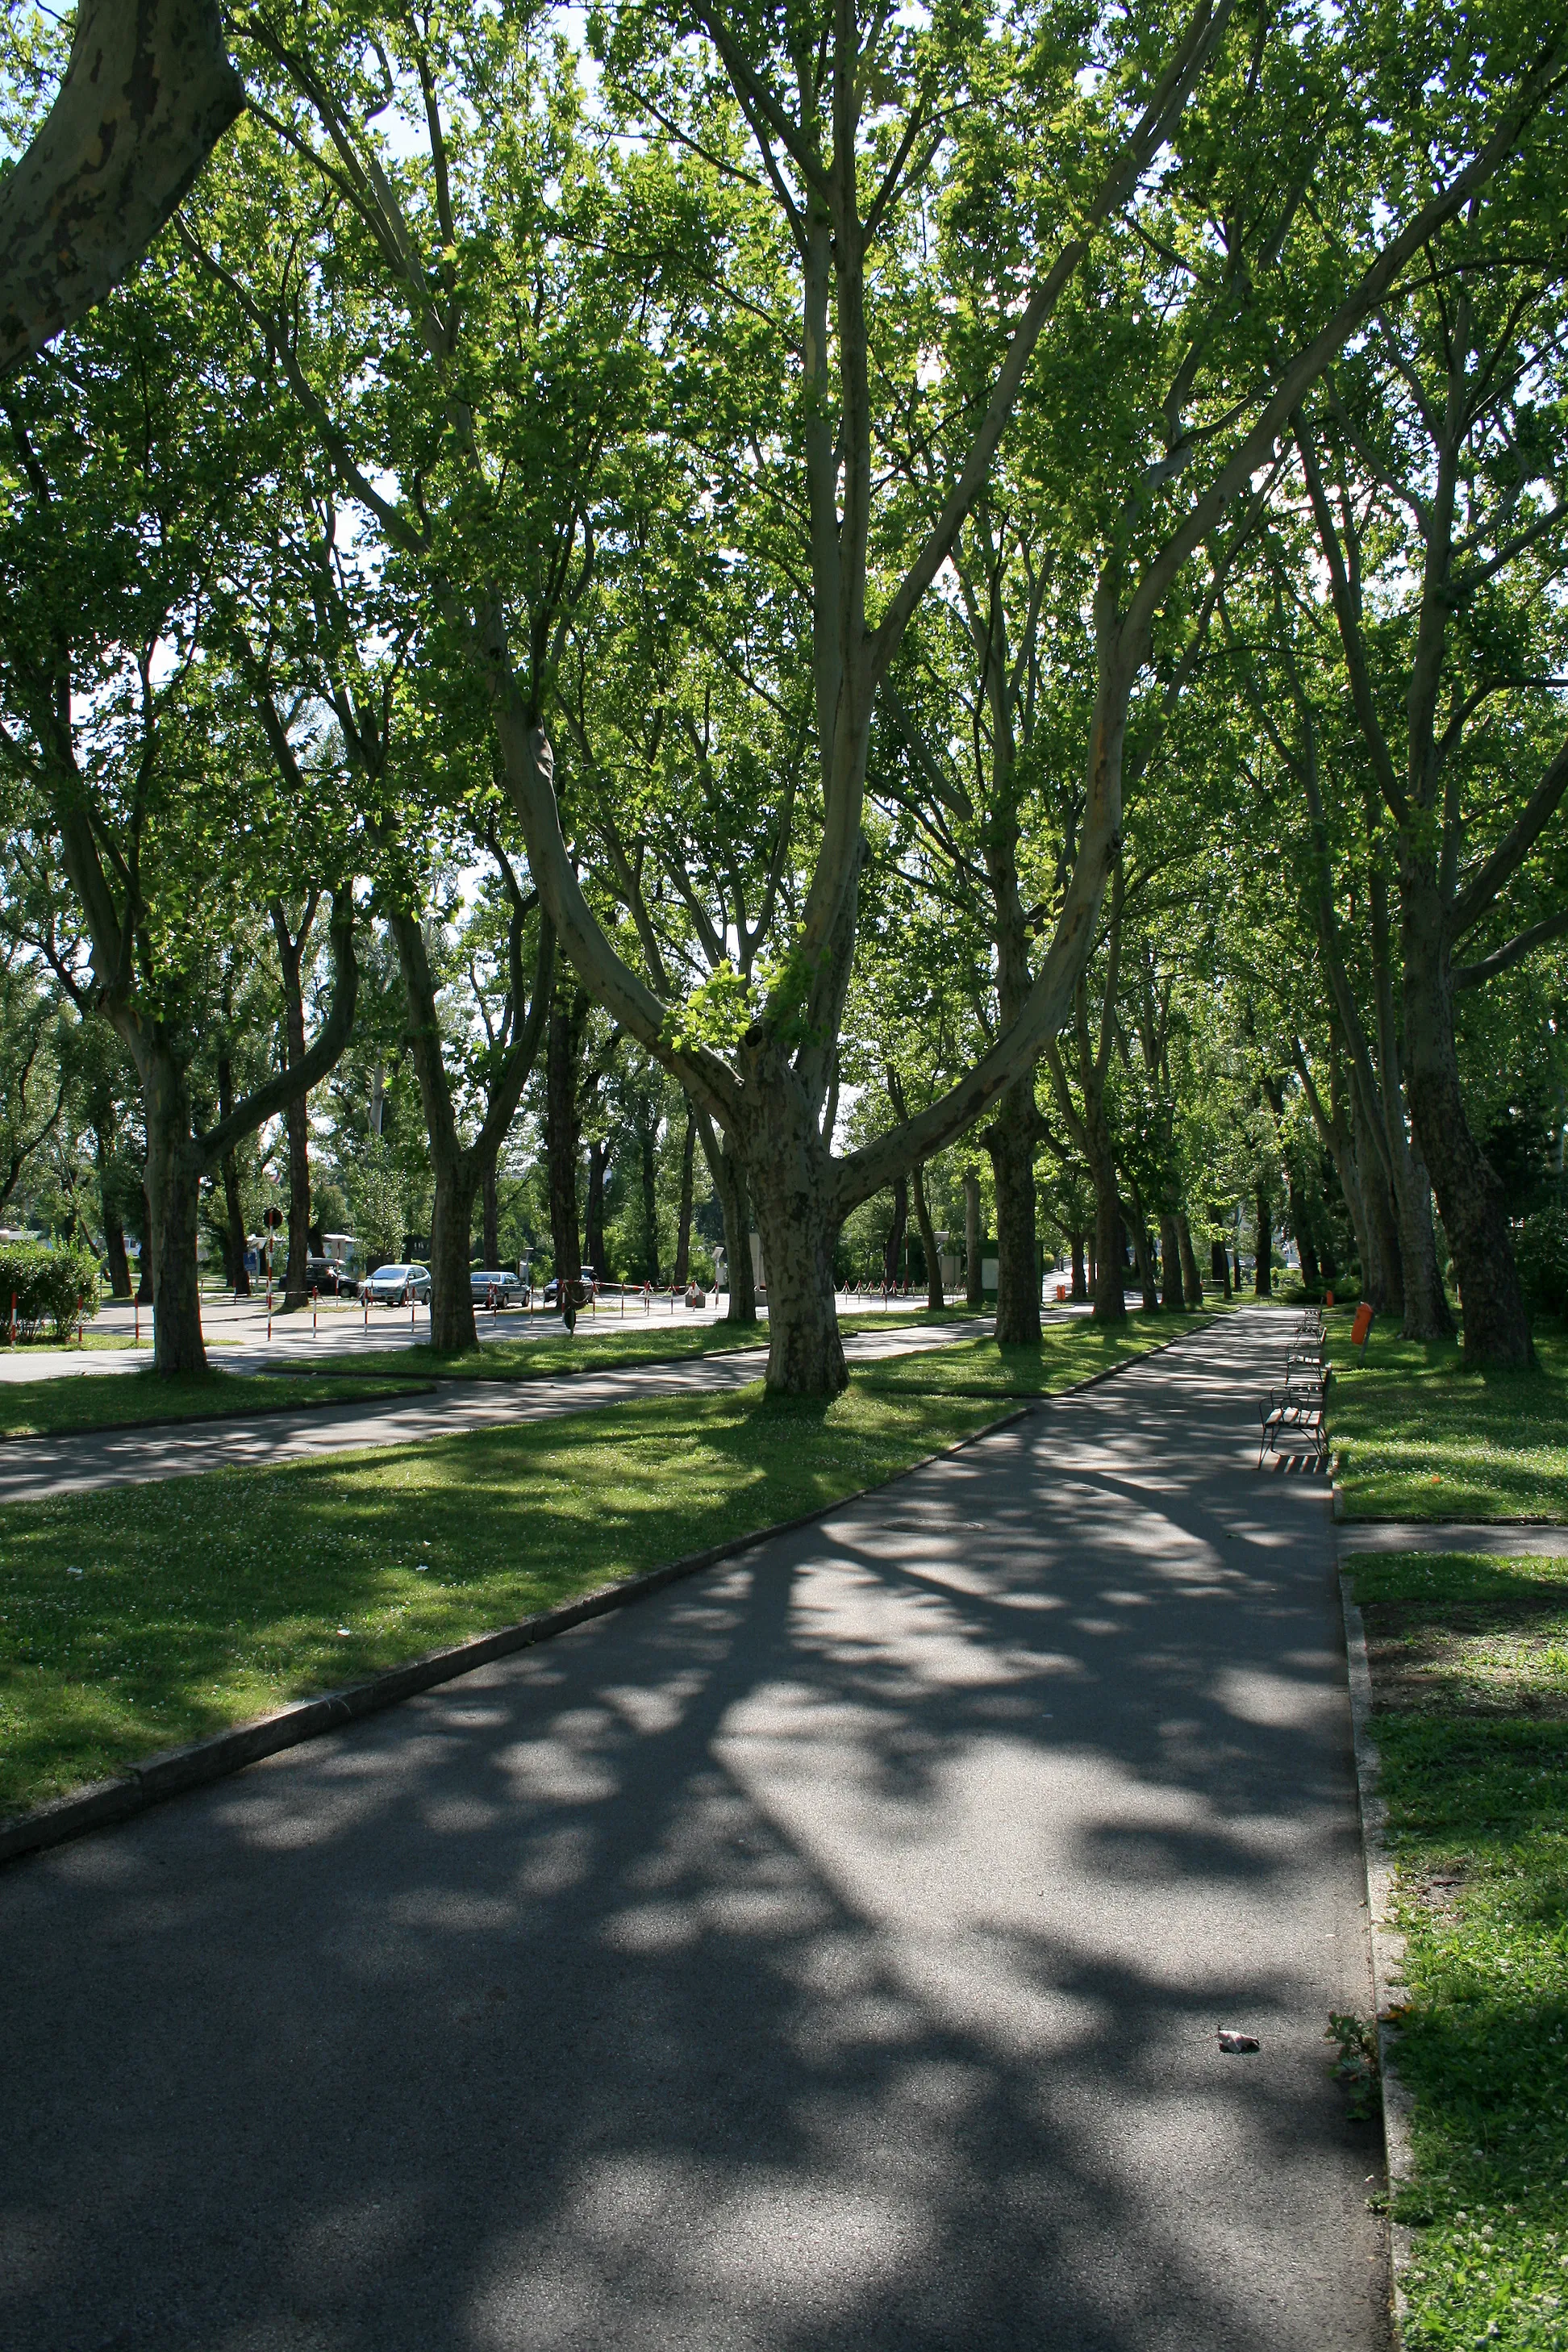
<point x="1542" y="1254"/>
<point x="51" y="1287"/>
<point x="379" y="1192"/>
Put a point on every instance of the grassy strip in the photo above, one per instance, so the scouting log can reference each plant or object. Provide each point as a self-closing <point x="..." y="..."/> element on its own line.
<point x="1067" y="1352"/>
<point x="75" y="1403"/>
<point x="92" y="1342"/>
<point x="1469" y="1660"/>
<point x="1421" y="1435"/>
<point x="134" y="1620"/>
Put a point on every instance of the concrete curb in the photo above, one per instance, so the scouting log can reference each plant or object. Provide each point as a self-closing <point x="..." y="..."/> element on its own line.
<point x="226" y="1752"/>
<point x="1387" y="1945"/>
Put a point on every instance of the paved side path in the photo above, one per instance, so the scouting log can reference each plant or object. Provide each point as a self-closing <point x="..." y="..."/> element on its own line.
<point x="35" y="1467"/>
<point x="824" y="1956"/>
<point x="1422" y="1535"/>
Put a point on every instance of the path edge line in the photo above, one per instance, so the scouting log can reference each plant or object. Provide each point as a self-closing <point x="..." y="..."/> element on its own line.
<point x="1389" y="1995"/>
<point x="106" y="1803"/>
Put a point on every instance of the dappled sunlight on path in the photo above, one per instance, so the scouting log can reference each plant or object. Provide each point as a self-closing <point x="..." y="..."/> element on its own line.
<point x="826" y="1954"/>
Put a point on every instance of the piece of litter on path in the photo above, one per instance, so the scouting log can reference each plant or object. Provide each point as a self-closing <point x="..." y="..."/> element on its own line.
<point x="1235" y="2044"/>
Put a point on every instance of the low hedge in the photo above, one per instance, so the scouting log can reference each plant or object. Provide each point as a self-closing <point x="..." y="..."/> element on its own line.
<point x="51" y="1287"/>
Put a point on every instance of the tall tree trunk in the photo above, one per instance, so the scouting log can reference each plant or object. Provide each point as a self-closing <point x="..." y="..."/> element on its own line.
<point x="563" y="1131"/>
<point x="728" y="1177"/>
<point x="935" y="1295"/>
<point x="114" y="1230"/>
<point x="296" y="1279"/>
<point x="173" y="1193"/>
<point x="234" y="1227"/>
<point x="974" y="1273"/>
<point x="893" y="1247"/>
<point x="1109" y="1297"/>
<point x="1080" y="1287"/>
<point x="235" y="1271"/>
<point x="1219" y="1265"/>
<point x="789" y="1175"/>
<point x="594" y="1212"/>
<point x="1142" y="1253"/>
<point x="1427" y="1311"/>
<point x="291" y="959"/>
<point x="681" y="1274"/>
<point x="144" y="1281"/>
<point x="452" y="1327"/>
<point x="490" y="1215"/>
<point x="1475" y="1215"/>
<point x="1263" y="1243"/>
<point x="114" y="1251"/>
<point x="146" y="94"/>
<point x="1192" y="1281"/>
<point x="1382" y="1282"/>
<point x="1171" y="1267"/>
<point x="648" y="1139"/>
<point x="1011" y="1141"/>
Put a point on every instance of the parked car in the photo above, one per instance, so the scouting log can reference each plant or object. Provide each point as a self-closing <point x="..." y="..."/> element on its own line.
<point x="497" y="1283"/>
<point x="587" y="1286"/>
<point x="326" y="1275"/>
<point x="395" y="1286"/>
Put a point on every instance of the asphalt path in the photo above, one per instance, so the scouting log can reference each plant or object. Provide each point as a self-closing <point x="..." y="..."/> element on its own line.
<point x="33" y="1468"/>
<point x="825" y="1955"/>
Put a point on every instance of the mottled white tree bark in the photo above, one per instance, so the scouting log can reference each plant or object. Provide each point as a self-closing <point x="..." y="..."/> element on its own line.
<point x="148" y="93"/>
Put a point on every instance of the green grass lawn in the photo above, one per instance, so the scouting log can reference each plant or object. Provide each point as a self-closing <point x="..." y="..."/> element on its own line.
<point x="92" y="1342"/>
<point x="1420" y="1436"/>
<point x="84" y="1401"/>
<point x="132" y="1620"/>
<point x="1067" y="1352"/>
<point x="1469" y="1663"/>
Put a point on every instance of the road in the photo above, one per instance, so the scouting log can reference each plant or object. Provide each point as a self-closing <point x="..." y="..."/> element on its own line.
<point x="823" y="1956"/>
<point x="33" y="1468"/>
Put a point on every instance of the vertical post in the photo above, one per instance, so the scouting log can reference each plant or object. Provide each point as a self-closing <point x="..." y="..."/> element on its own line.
<point x="13" y="1317"/>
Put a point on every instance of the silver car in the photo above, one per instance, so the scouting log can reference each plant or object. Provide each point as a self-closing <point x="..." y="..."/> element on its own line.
<point x="495" y="1287"/>
<point x="399" y="1285"/>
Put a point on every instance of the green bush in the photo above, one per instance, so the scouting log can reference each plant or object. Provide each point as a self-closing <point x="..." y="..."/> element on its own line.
<point x="1542" y="1252"/>
<point x="50" y="1287"/>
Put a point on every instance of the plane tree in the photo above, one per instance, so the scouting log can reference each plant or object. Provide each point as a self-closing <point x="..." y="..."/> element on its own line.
<point x="140" y="97"/>
<point x="1436" y="465"/>
<point x="125" y="464"/>
<point x="797" y="181"/>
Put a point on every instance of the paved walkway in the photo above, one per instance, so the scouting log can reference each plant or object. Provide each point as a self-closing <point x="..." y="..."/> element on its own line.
<point x="35" y="1467"/>
<point x="1423" y="1535"/>
<point x="823" y="1956"/>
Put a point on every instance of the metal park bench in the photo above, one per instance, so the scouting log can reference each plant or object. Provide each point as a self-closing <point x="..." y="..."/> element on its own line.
<point x="1292" y="1421"/>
